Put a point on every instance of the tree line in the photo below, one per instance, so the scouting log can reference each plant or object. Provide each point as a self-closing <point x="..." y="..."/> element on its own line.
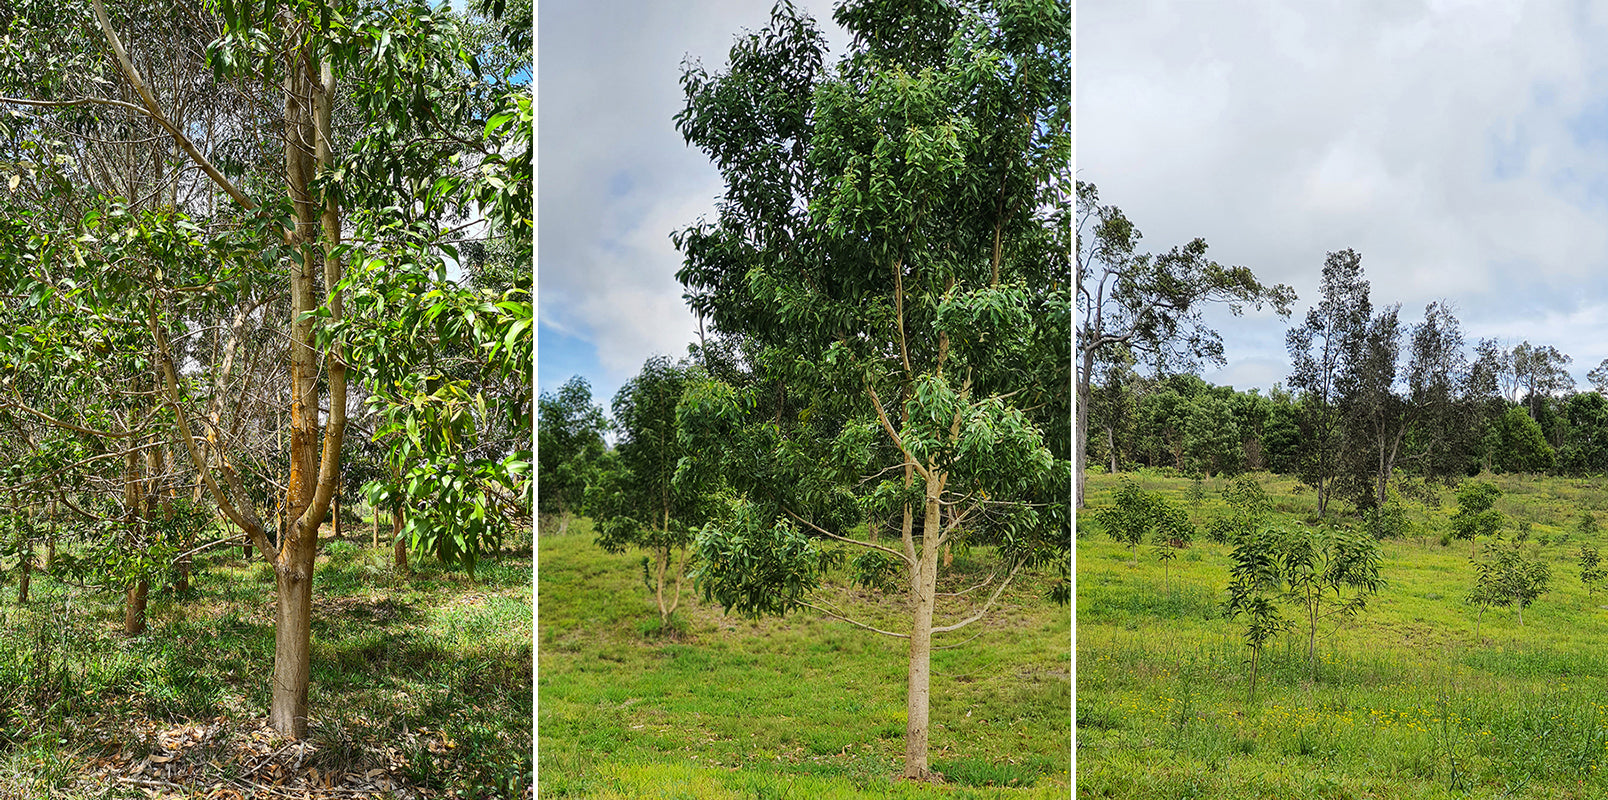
<point x="1371" y="397"/>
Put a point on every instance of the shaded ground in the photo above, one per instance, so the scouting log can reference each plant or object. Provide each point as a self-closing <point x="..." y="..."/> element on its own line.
<point x="421" y="686"/>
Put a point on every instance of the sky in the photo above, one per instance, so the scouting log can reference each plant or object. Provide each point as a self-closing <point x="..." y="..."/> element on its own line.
<point x="615" y="178"/>
<point x="1460" y="147"/>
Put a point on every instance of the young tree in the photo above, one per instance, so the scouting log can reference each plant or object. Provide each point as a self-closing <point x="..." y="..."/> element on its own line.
<point x="1475" y="515"/>
<point x="1149" y="304"/>
<point x="1249" y="507"/>
<point x="1322" y="351"/>
<point x="1135" y="512"/>
<point x="636" y="500"/>
<point x="1591" y="569"/>
<point x="1506" y="577"/>
<point x="892" y="245"/>
<point x="1329" y="574"/>
<point x="569" y="445"/>
<point x="1254" y="590"/>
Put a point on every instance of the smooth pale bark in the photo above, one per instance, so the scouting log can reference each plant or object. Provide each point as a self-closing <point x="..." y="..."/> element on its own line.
<point x="1080" y="432"/>
<point x="923" y="594"/>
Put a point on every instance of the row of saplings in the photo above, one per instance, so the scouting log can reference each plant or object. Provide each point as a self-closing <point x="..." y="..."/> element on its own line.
<point x="1326" y="574"/>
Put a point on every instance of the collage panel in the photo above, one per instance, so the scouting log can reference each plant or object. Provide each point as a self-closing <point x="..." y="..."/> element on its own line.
<point x="266" y="347"/>
<point x="804" y="413"/>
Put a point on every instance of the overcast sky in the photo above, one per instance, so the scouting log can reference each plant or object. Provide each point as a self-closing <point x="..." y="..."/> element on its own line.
<point x="615" y="178"/>
<point x="1460" y="147"/>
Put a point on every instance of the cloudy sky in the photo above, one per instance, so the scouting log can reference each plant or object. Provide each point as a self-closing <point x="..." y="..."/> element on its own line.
<point x="1460" y="147"/>
<point x="615" y="178"/>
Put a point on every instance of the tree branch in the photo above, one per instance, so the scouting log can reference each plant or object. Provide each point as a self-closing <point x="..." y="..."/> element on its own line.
<point x="855" y="622"/>
<point x="829" y="534"/>
<point x="986" y="608"/>
<point x="154" y="112"/>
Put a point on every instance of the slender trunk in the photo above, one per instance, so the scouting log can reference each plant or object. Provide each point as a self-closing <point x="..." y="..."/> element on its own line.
<point x="134" y="503"/>
<point x="292" y="652"/>
<point x="661" y="563"/>
<point x="1256" y="653"/>
<point x="681" y="574"/>
<point x="376" y="527"/>
<point x="1080" y="431"/>
<point x="25" y="578"/>
<point x="923" y="591"/>
<point x="399" y="548"/>
<point x="1111" y="446"/>
<point x="1312" y="641"/>
<point x="134" y="608"/>
<point x="563" y="522"/>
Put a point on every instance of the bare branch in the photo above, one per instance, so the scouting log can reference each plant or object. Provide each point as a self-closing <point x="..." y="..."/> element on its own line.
<point x="829" y="534"/>
<point x="856" y="622"/>
<point x="986" y="608"/>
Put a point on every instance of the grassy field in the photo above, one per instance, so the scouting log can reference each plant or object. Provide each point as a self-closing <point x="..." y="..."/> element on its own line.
<point x="795" y="708"/>
<point x="420" y="685"/>
<point x="1408" y="701"/>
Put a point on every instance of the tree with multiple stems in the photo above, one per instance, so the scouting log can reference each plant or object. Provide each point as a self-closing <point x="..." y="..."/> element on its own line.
<point x="375" y="120"/>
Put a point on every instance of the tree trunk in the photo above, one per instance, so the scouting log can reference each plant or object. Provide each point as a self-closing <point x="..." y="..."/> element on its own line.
<point x="1111" y="445"/>
<point x="1080" y="431"/>
<point x="23" y="580"/>
<point x="292" y="656"/>
<point x="134" y="608"/>
<point x="399" y="547"/>
<point x="923" y="591"/>
<point x="661" y="559"/>
<point x="376" y="527"/>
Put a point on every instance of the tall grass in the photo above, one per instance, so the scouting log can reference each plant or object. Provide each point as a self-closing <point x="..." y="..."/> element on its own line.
<point x="1408" y="702"/>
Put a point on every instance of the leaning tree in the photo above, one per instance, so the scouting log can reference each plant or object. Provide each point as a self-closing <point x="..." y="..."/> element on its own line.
<point x="892" y="247"/>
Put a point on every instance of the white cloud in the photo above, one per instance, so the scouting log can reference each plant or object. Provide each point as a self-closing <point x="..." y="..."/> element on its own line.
<point x="1441" y="140"/>
<point x="615" y="178"/>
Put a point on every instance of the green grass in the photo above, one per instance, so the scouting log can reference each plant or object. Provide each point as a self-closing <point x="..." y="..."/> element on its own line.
<point x="800" y="707"/>
<point x="425" y="678"/>
<point x="1408" y="701"/>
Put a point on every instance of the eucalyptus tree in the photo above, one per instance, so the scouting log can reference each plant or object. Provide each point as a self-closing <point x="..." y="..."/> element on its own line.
<point x="1151" y="304"/>
<point x="355" y="100"/>
<point x="892" y="242"/>
<point x="1323" y="350"/>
